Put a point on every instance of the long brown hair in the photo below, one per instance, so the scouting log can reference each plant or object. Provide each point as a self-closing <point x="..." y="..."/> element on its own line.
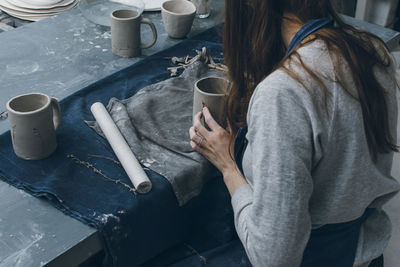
<point x="253" y="48"/>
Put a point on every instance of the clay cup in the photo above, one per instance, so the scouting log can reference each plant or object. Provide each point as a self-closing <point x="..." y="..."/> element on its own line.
<point x="177" y="17"/>
<point x="125" y="33"/>
<point x="33" y="119"/>
<point x="212" y="92"/>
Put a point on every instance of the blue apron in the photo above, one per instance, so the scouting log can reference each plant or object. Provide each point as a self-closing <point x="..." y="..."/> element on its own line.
<point x="332" y="245"/>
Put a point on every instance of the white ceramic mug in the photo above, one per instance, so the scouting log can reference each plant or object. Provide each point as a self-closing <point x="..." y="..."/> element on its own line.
<point x="212" y="92"/>
<point x="177" y="17"/>
<point x="125" y="33"/>
<point x="33" y="119"/>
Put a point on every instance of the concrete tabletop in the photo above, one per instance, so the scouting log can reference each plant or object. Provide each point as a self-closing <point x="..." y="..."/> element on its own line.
<point x="58" y="56"/>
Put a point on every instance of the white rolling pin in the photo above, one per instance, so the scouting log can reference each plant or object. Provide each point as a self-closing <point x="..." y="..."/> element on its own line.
<point x="121" y="149"/>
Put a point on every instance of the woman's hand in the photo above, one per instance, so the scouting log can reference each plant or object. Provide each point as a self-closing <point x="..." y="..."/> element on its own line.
<point x="215" y="145"/>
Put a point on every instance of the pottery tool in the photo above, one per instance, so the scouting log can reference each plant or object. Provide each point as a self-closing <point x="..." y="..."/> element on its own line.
<point x="121" y="149"/>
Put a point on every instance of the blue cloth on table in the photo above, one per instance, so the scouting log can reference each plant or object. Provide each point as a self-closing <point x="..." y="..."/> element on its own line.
<point x="134" y="228"/>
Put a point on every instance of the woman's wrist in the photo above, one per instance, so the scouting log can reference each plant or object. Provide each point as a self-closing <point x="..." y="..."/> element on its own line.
<point x="233" y="179"/>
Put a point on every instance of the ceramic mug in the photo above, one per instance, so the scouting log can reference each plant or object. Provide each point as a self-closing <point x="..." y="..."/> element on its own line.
<point x="33" y="119"/>
<point x="177" y="17"/>
<point x="212" y="92"/>
<point x="125" y="33"/>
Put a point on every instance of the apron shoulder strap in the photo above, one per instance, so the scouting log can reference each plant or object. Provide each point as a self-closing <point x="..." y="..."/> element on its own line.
<point x="306" y="30"/>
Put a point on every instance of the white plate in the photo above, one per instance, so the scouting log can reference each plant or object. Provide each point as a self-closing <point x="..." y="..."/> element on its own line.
<point x="26" y="16"/>
<point x="41" y="2"/>
<point x="20" y="3"/>
<point x="153" y="5"/>
<point x="8" y="5"/>
<point x="36" y="18"/>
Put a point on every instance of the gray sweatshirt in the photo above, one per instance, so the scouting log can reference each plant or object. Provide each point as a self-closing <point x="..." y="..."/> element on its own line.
<point x="307" y="165"/>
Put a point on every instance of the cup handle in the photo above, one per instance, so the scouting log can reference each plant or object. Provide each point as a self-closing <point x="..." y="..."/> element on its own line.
<point x="56" y="113"/>
<point x="153" y="29"/>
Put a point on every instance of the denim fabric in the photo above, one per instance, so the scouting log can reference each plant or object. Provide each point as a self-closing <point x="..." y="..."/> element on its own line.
<point x="210" y="226"/>
<point x="332" y="245"/>
<point x="134" y="228"/>
<point x="231" y="254"/>
<point x="378" y="262"/>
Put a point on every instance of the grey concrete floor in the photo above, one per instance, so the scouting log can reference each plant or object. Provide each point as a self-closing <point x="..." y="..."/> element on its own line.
<point x="392" y="252"/>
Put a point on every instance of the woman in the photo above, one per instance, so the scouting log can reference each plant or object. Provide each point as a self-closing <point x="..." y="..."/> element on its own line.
<point x="318" y="100"/>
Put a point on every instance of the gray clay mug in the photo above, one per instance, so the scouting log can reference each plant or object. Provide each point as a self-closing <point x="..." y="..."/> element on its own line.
<point x="33" y="119"/>
<point x="212" y="92"/>
<point x="125" y="33"/>
<point x="177" y="17"/>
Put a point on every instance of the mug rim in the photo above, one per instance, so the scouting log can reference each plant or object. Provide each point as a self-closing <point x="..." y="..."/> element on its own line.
<point x="213" y="77"/>
<point x="179" y="14"/>
<point x="9" y="109"/>
<point x="125" y="9"/>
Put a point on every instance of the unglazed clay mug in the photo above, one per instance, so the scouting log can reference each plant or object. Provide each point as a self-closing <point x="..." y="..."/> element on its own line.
<point x="125" y="33"/>
<point x="212" y="92"/>
<point x="177" y="17"/>
<point x="33" y="119"/>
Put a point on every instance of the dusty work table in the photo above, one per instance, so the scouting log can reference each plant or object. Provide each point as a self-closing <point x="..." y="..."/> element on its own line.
<point x="59" y="56"/>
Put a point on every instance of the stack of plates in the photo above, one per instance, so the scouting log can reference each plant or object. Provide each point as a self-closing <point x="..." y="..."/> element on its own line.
<point x="35" y="10"/>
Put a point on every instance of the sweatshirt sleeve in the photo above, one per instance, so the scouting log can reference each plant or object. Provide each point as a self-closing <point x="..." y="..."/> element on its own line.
<point x="271" y="214"/>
